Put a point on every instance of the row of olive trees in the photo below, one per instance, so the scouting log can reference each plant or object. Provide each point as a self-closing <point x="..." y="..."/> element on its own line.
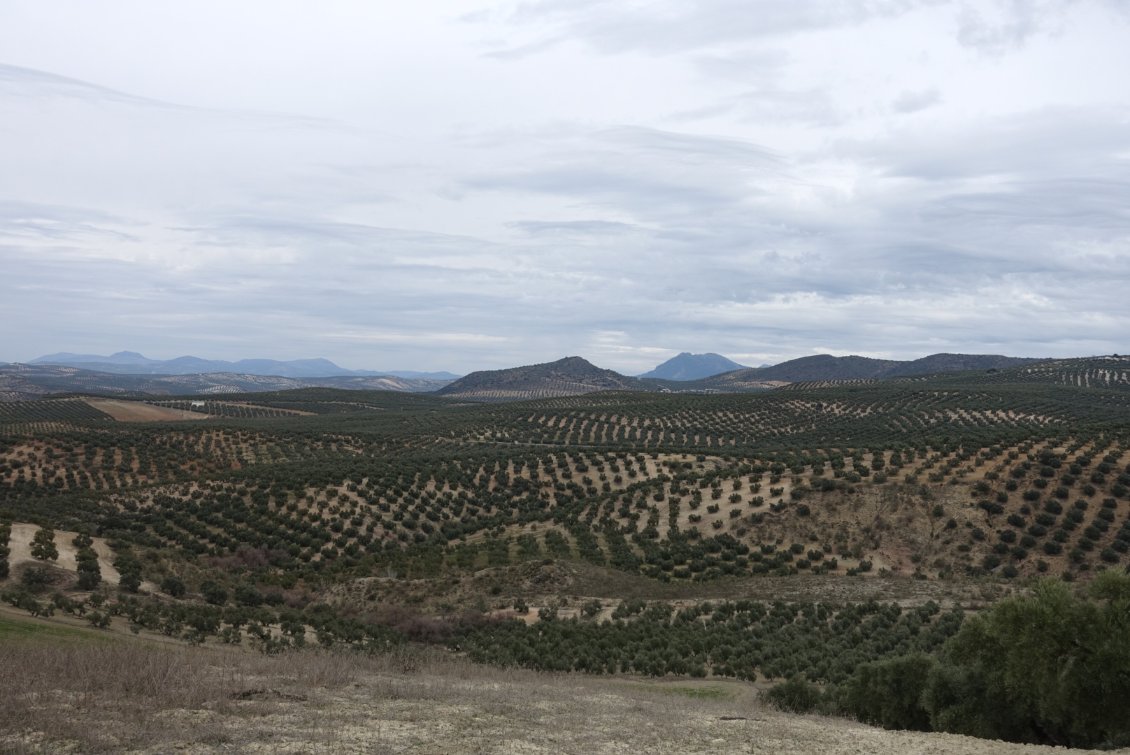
<point x="5" y="550"/>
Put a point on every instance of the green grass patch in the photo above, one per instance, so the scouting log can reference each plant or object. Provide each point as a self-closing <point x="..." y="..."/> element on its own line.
<point x="710" y="692"/>
<point x="18" y="629"/>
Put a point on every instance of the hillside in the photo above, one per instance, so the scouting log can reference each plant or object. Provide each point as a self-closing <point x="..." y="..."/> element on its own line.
<point x="827" y="368"/>
<point x="29" y="381"/>
<point x="939" y="363"/>
<point x="1087" y="372"/>
<point x="734" y="466"/>
<point x="571" y="376"/>
<point x="687" y="366"/>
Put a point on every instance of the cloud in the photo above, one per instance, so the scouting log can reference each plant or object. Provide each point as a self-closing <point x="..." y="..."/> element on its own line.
<point x="758" y="180"/>
<point x="667" y="26"/>
<point x="1009" y="24"/>
<point x="598" y="229"/>
<point x="912" y="102"/>
<point x="29" y="220"/>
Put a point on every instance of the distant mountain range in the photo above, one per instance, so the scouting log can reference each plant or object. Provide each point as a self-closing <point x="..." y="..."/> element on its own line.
<point x="24" y="382"/>
<point x="132" y="363"/>
<point x="575" y="376"/>
<point x="701" y="368"/>
<point x="687" y="366"/>
<point x="572" y="376"/>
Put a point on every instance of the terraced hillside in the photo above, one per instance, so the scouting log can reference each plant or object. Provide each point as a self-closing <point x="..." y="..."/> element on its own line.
<point x="929" y="476"/>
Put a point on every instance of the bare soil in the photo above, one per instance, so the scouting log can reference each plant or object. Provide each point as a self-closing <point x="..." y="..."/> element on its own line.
<point x="20" y="551"/>
<point x="138" y="411"/>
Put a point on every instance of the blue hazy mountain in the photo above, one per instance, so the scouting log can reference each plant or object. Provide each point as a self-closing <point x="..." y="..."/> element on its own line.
<point x="687" y="366"/>
<point x="132" y="363"/>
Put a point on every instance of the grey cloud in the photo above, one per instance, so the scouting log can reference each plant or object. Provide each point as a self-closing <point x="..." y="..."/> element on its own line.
<point x="30" y="83"/>
<point x="769" y="106"/>
<point x="35" y="220"/>
<point x="572" y="228"/>
<point x="694" y="146"/>
<point x="926" y="247"/>
<point x="524" y="51"/>
<point x="670" y="27"/>
<point x="647" y="173"/>
<point x="811" y="107"/>
<point x="514" y="222"/>
<point x="1011" y="24"/>
<point x="912" y="102"/>
<point x="1061" y="141"/>
<point x="761" y="65"/>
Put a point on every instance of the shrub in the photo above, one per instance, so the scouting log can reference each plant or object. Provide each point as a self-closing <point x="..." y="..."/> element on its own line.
<point x="246" y="595"/>
<point x="213" y="593"/>
<point x="1050" y="668"/>
<point x="173" y="586"/>
<point x="797" y="695"/>
<point x="888" y="693"/>
<point x="36" y="578"/>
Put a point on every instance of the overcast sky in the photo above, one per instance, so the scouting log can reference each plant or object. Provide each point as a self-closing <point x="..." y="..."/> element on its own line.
<point x="464" y="185"/>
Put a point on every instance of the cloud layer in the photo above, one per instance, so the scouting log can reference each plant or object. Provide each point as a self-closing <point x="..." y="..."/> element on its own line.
<point x="453" y="187"/>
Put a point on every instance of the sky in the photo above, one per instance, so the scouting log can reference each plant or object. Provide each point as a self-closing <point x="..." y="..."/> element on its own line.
<point x="461" y="185"/>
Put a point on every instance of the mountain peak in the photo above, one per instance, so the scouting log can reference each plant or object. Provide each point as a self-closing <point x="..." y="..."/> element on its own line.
<point x="688" y="366"/>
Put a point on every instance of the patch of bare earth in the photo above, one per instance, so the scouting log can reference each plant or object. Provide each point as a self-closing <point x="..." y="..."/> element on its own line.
<point x="23" y="534"/>
<point x="134" y="697"/>
<point x="137" y="411"/>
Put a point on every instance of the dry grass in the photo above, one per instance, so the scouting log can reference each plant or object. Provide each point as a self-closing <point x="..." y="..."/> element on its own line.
<point x="130" y="696"/>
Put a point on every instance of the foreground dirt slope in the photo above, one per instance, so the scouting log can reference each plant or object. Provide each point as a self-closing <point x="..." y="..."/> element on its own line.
<point x="530" y="717"/>
<point x="469" y="716"/>
<point x="67" y="689"/>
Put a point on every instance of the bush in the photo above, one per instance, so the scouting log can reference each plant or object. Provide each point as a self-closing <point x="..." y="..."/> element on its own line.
<point x="797" y="695"/>
<point x="173" y="586"/>
<point x="889" y="693"/>
<point x="130" y="582"/>
<point x="36" y="578"/>
<point x="1055" y="663"/>
<point x="1052" y="668"/>
<point x="213" y="593"/>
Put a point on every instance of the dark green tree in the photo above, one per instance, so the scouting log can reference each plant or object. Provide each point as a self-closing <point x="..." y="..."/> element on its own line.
<point x="174" y="586"/>
<point x="43" y="545"/>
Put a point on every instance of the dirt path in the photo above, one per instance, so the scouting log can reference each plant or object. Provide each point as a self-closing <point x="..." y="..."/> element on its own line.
<point x="138" y="411"/>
